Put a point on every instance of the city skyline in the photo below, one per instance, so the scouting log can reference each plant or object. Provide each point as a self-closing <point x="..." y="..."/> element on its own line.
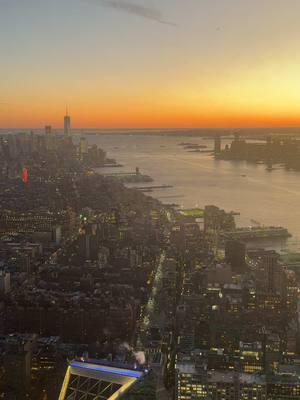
<point x="149" y="207"/>
<point x="142" y="64"/>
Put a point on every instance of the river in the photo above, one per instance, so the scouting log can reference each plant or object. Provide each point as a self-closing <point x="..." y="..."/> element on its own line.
<point x="270" y="198"/>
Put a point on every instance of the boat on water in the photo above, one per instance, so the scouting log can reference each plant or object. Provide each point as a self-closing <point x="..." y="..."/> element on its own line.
<point x="186" y="144"/>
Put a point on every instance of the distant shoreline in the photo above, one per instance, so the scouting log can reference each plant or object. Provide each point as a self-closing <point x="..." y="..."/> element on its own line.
<point x="188" y="132"/>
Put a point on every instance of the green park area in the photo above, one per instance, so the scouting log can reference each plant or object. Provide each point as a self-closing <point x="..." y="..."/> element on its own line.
<point x="193" y="213"/>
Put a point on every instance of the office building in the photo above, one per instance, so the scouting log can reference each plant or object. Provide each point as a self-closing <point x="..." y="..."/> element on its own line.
<point x="235" y="253"/>
<point x="83" y="147"/>
<point x="48" y="130"/>
<point x="272" y="271"/>
<point x="194" y="383"/>
<point x="17" y="362"/>
<point x="4" y="282"/>
<point x="57" y="234"/>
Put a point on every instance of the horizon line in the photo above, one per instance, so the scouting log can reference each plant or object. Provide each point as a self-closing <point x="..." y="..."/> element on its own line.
<point x="157" y="128"/>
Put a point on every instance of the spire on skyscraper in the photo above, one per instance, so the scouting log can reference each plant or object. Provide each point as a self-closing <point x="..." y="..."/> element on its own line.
<point x="67" y="123"/>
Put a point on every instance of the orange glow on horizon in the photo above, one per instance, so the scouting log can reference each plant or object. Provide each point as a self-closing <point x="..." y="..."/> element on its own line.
<point x="149" y="118"/>
<point x="119" y="71"/>
<point x="265" y="96"/>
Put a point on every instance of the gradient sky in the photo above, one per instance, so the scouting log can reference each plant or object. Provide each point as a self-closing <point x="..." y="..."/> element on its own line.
<point x="176" y="63"/>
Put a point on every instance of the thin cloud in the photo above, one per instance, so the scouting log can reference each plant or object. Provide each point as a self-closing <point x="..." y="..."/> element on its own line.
<point x="136" y="9"/>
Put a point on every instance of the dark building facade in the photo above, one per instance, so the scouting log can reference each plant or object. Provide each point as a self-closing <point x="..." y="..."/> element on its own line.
<point x="235" y="253"/>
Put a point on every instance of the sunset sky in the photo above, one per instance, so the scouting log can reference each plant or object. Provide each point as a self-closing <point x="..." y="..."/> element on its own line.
<point x="150" y="63"/>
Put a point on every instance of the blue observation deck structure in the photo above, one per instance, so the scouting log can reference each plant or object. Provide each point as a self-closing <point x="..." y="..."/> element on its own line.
<point x="96" y="380"/>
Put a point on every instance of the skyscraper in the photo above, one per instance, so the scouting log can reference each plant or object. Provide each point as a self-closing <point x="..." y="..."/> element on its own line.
<point x="48" y="130"/>
<point x="83" y="147"/>
<point x="235" y="253"/>
<point x="67" y="124"/>
<point x="272" y="271"/>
